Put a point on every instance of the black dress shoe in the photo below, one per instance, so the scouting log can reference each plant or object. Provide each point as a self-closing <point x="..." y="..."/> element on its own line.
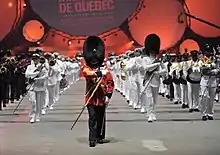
<point x="187" y="106"/>
<point x="100" y="141"/>
<point x="168" y="96"/>
<point x="176" y="102"/>
<point x="190" y="110"/>
<point x="92" y="144"/>
<point x="159" y="93"/>
<point x="210" y="118"/>
<point x="196" y="110"/>
<point x="163" y="94"/>
<point x="183" y="106"/>
<point x="204" y="118"/>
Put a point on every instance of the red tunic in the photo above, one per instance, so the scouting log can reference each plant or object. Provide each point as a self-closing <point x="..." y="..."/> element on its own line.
<point x="106" y="86"/>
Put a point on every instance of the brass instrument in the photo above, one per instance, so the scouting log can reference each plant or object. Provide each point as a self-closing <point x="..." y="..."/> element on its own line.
<point x="123" y="74"/>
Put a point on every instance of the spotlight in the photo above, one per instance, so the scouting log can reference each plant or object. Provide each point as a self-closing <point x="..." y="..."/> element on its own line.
<point x="69" y="42"/>
<point x="24" y="5"/>
<point x="10" y="4"/>
<point x="38" y="43"/>
<point x="132" y="42"/>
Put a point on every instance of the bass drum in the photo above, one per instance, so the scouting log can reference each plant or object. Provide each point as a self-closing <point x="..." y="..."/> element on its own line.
<point x="194" y="77"/>
<point x="176" y="81"/>
<point x="182" y="81"/>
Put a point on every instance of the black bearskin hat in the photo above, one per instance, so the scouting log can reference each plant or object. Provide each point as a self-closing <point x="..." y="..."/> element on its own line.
<point x="208" y="50"/>
<point x="152" y="44"/>
<point x="94" y="51"/>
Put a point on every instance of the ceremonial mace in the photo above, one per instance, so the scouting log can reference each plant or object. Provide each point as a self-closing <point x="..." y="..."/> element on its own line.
<point x="84" y="106"/>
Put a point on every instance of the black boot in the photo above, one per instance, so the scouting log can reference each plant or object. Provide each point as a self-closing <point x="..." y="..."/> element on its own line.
<point x="100" y="141"/>
<point x="204" y="118"/>
<point x="176" y="102"/>
<point x="196" y="110"/>
<point x="92" y="144"/>
<point x="210" y="118"/>
<point x="183" y="106"/>
<point x="190" y="110"/>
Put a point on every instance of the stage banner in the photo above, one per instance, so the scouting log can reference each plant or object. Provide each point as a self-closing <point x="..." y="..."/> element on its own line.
<point x="84" y="17"/>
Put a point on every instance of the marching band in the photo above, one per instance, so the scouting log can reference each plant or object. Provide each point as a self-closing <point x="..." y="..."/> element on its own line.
<point x="189" y="79"/>
<point x="42" y="76"/>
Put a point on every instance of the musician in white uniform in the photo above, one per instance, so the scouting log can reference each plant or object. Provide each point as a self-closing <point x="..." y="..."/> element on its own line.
<point x="208" y="84"/>
<point x="134" y="79"/>
<point x="61" y="67"/>
<point x="38" y="72"/>
<point x="183" y="81"/>
<point x="174" y="72"/>
<point x="193" y="81"/>
<point x="54" y="70"/>
<point x="150" y="65"/>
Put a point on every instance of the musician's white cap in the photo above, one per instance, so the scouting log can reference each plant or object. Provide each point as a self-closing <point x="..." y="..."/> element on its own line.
<point x="35" y="56"/>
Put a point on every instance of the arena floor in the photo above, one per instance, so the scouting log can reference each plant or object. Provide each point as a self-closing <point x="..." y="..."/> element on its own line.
<point x="176" y="132"/>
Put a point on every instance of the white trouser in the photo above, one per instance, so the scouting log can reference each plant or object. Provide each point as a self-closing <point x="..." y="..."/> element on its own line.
<point x="207" y="101"/>
<point x="46" y="99"/>
<point x="70" y="79"/>
<point x="51" y="94"/>
<point x="40" y="101"/>
<point x="57" y="90"/>
<point x="150" y="99"/>
<point x="136" y="94"/>
<point x="32" y="99"/>
<point x="167" y="92"/>
<point x="177" y="92"/>
<point x="193" y="95"/>
<point x="117" y="83"/>
<point x="184" y="94"/>
<point x="162" y="88"/>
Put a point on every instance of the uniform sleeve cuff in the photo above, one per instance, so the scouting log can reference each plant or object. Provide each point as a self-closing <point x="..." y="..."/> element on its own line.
<point x="109" y="95"/>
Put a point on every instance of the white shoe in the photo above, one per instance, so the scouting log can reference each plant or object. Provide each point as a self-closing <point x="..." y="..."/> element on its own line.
<point x="32" y="120"/>
<point x="51" y="107"/>
<point x="38" y="120"/>
<point x="139" y="106"/>
<point x="43" y="112"/>
<point x="150" y="119"/>
<point x="130" y="104"/>
<point x="154" y="117"/>
<point x="143" y="110"/>
<point x="135" y="107"/>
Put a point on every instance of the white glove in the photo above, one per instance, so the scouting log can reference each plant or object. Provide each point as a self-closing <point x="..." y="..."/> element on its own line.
<point x="104" y="72"/>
